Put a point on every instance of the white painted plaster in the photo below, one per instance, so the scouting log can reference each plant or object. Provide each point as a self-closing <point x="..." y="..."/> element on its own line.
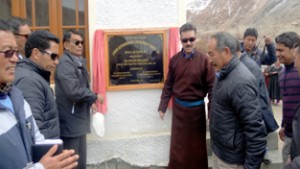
<point x="134" y="131"/>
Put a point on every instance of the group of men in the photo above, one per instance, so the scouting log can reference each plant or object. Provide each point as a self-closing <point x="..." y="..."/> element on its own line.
<point x="240" y="115"/>
<point x="239" y="109"/>
<point x="30" y="111"/>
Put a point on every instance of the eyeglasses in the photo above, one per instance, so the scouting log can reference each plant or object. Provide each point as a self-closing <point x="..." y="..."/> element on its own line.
<point x="192" y="39"/>
<point x="10" y="53"/>
<point x="53" y="56"/>
<point x="25" y="35"/>
<point x="78" y="42"/>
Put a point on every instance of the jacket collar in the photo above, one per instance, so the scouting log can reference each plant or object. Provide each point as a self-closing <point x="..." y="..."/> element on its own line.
<point x="29" y="64"/>
<point x="228" y="68"/>
<point x="15" y="97"/>
<point x="74" y="59"/>
<point x="289" y="67"/>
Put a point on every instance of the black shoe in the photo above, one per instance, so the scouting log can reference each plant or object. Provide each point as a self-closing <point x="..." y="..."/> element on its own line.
<point x="267" y="160"/>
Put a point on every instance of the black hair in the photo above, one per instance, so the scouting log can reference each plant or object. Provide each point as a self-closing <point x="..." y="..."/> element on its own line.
<point x="4" y="26"/>
<point x="297" y="47"/>
<point x="251" y="32"/>
<point x="15" y="23"/>
<point x="68" y="34"/>
<point x="187" y="27"/>
<point x="39" y="39"/>
<point x="288" y="39"/>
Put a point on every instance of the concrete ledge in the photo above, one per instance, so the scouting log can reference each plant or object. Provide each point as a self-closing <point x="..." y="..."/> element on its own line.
<point x="144" y="150"/>
<point x="119" y="164"/>
<point x="275" y="155"/>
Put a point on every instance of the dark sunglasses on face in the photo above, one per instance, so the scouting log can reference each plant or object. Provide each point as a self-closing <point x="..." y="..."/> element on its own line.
<point x="25" y="35"/>
<point x="53" y="56"/>
<point x="10" y="53"/>
<point x="192" y="39"/>
<point x="78" y="42"/>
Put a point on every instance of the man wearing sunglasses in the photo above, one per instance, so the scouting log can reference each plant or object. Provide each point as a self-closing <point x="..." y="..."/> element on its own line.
<point x="190" y="78"/>
<point x="33" y="78"/>
<point x="18" y="129"/>
<point x="74" y="97"/>
<point x="21" y="31"/>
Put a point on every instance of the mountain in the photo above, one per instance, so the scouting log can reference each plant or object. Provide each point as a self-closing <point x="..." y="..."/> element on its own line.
<point x="197" y="5"/>
<point x="269" y="17"/>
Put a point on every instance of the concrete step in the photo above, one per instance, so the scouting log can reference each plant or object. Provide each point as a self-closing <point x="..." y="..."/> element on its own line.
<point x="144" y="149"/>
<point x="275" y="155"/>
<point x="272" y="142"/>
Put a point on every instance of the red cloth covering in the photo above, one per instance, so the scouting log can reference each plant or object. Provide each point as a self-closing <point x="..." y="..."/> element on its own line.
<point x="99" y="69"/>
<point x="173" y="47"/>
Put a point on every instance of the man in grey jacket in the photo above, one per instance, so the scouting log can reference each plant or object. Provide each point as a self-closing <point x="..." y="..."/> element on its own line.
<point x="18" y="130"/>
<point x="74" y="97"/>
<point x="33" y="78"/>
<point x="238" y="133"/>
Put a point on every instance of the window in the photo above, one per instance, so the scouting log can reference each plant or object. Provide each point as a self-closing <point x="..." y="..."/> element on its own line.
<point x="56" y="16"/>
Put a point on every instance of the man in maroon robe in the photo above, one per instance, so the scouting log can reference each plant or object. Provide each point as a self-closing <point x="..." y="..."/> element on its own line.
<point x="190" y="79"/>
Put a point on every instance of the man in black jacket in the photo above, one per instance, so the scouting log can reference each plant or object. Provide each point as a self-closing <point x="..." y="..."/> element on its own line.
<point x="238" y="133"/>
<point x="33" y="78"/>
<point x="74" y="97"/>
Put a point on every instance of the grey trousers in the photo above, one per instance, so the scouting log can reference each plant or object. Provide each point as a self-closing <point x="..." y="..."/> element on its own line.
<point x="217" y="163"/>
<point x="286" y="150"/>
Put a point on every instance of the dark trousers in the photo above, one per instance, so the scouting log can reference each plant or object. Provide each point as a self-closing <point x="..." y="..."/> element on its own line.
<point x="79" y="145"/>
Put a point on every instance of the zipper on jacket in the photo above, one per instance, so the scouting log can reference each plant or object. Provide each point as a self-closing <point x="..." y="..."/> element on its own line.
<point x="73" y="107"/>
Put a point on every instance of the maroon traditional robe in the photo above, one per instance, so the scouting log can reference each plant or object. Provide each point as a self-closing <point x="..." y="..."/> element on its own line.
<point x="189" y="79"/>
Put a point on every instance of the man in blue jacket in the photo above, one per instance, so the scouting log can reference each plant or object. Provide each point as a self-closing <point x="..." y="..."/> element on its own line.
<point x="238" y="133"/>
<point x="18" y="130"/>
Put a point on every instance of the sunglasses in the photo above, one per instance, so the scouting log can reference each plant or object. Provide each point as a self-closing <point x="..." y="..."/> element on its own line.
<point x="25" y="35"/>
<point x="192" y="39"/>
<point x="10" y="53"/>
<point x="53" y="56"/>
<point x="78" y="42"/>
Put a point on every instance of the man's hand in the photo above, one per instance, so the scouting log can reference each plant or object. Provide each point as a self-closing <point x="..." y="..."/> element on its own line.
<point x="161" y="115"/>
<point x="65" y="160"/>
<point x="268" y="40"/>
<point x="100" y="98"/>
<point x="281" y="134"/>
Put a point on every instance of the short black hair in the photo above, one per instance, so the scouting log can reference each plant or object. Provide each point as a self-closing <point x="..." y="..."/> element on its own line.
<point x="68" y="34"/>
<point x="297" y="47"/>
<point x="15" y="23"/>
<point x="288" y="39"/>
<point x="39" y="39"/>
<point x="4" y="26"/>
<point x="251" y="32"/>
<point x="187" y="27"/>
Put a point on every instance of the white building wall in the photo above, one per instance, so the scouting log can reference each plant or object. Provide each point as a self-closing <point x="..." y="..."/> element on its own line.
<point x="134" y="131"/>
